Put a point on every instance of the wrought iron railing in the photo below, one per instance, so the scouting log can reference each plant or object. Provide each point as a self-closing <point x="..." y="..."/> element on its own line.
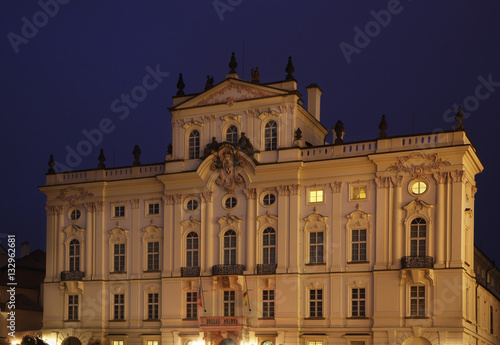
<point x="228" y="270"/>
<point x="417" y="262"/>
<point x="225" y="321"/>
<point x="72" y="275"/>
<point x="192" y="271"/>
<point x="266" y="268"/>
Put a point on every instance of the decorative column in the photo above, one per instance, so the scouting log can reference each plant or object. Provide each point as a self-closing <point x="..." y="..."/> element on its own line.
<point x="251" y="248"/>
<point x="384" y="226"/>
<point x="338" y="257"/>
<point x="168" y="213"/>
<point x="88" y="259"/>
<point x="296" y="247"/>
<point x="440" y="230"/>
<point x="397" y="223"/>
<point x="135" y="246"/>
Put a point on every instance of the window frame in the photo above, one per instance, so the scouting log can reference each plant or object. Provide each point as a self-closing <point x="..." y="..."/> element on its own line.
<point x="270" y="135"/>
<point x="191" y="305"/>
<point x="153" y="257"/>
<point x="418" y="239"/>
<point x="229" y="303"/>
<point x="421" y="301"/>
<point x="194" y="144"/>
<point x="74" y="260"/>
<point x="316" y="304"/>
<point x="154" y="204"/>
<point x="72" y="211"/>
<point x="191" y="251"/>
<point x="120" y="256"/>
<point x="230" y="197"/>
<point x="359" y="242"/>
<point x="315" y="190"/>
<point x="120" y="208"/>
<point x="353" y="188"/>
<point x="268" y="303"/>
<point x="233" y="134"/>
<point x="269" y="250"/>
<point x="268" y="194"/>
<point x="358" y="305"/>
<point x="73" y="307"/>
<point x="232" y="251"/>
<point x="418" y="181"/>
<point x="316" y="245"/>
<point x="153" y="305"/>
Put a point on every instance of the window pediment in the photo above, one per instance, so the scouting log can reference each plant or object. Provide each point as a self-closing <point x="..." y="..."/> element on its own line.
<point x="267" y="218"/>
<point x="358" y="219"/>
<point x="418" y="207"/>
<point x="118" y="234"/>
<point x="152" y="232"/>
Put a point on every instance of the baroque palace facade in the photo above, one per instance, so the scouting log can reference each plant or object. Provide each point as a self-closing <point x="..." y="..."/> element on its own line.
<point x="254" y="231"/>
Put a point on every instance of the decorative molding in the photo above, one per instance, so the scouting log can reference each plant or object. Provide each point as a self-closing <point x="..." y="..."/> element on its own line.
<point x="396" y="181"/>
<point x="222" y="95"/>
<point x="190" y="224"/>
<point x="358" y="220"/>
<point x="251" y="193"/>
<point x="99" y="206"/>
<point x="336" y="186"/>
<point x="89" y="206"/>
<point x="152" y="232"/>
<point x="270" y="113"/>
<point x="282" y="190"/>
<point x="441" y="177"/>
<point x="229" y="220"/>
<point x="118" y="234"/>
<point x="457" y="176"/>
<point x="418" y="207"/>
<point x="424" y="164"/>
<point x="73" y="195"/>
<point x="134" y="203"/>
<point x="192" y="122"/>
<point x="227" y="161"/>
<point x="294" y="189"/>
<point x="209" y="118"/>
<point x="268" y="218"/>
<point x="206" y="196"/>
<point x="74" y="230"/>
<point x="54" y="210"/>
<point x="383" y="182"/>
<point x="231" y="117"/>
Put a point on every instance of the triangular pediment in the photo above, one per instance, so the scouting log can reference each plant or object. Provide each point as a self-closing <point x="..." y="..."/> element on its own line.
<point x="230" y="91"/>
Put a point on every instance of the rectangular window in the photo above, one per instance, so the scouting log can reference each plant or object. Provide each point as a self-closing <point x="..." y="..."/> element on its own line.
<point x="119" y="307"/>
<point x="316" y="240"/>
<point x="119" y="211"/>
<point x="119" y="257"/>
<point x="153" y="208"/>
<point x="357" y="342"/>
<point x="72" y="307"/>
<point x="192" y="305"/>
<point x="358" y="193"/>
<point x="153" y="306"/>
<point x="316" y="303"/>
<point x="229" y="305"/>
<point x="316" y="196"/>
<point x="314" y="343"/>
<point x="117" y="342"/>
<point x="358" y="302"/>
<point x="268" y="304"/>
<point x="417" y="300"/>
<point x="153" y="342"/>
<point x="153" y="256"/>
<point x="358" y="242"/>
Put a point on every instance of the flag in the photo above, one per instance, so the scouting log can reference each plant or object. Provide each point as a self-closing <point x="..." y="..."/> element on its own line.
<point x="200" y="299"/>
<point x="245" y="294"/>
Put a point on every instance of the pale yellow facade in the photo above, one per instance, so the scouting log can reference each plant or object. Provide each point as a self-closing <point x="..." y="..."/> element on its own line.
<point x="289" y="239"/>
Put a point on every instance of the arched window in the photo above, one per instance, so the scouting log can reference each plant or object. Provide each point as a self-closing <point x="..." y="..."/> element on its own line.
<point x="194" y="144"/>
<point x="232" y="135"/>
<point x="418" y="237"/>
<point x="271" y="136"/>
<point x="230" y="247"/>
<point x="192" y="250"/>
<point x="269" y="246"/>
<point x="74" y="255"/>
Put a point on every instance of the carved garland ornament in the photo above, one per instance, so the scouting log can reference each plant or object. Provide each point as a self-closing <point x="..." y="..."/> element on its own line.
<point x="245" y="93"/>
<point x="73" y="195"/>
<point x="228" y="162"/>
<point x="424" y="164"/>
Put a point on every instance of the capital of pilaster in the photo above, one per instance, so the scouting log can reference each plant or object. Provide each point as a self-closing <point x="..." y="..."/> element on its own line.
<point x="382" y="182"/>
<point x="457" y="176"/>
<point x="336" y="186"/>
<point x="206" y="196"/>
<point x="397" y="181"/>
<point x="441" y="177"/>
<point x="99" y="206"/>
<point x="282" y="190"/>
<point x="89" y="206"/>
<point x="251" y="193"/>
<point x="54" y="210"/>
<point x="294" y="189"/>
<point x="135" y="203"/>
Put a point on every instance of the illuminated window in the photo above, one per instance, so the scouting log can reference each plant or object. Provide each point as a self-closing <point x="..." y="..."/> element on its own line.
<point x="268" y="303"/>
<point x="271" y="136"/>
<point x="358" y="302"/>
<point x="316" y="241"/>
<point x="232" y="135"/>
<point x="153" y="256"/>
<point x="117" y="342"/>
<point x="153" y="342"/>
<point x="269" y="246"/>
<point x="418" y="237"/>
<point x="119" y="307"/>
<point x="314" y="343"/>
<point x="74" y="255"/>
<point x="358" y="193"/>
<point x="316" y="303"/>
<point x="153" y="306"/>
<point x="418" y="187"/>
<point x="194" y="144"/>
<point x="191" y="305"/>
<point x="316" y="196"/>
<point x="72" y="307"/>
<point x="417" y="300"/>
<point x="192" y="250"/>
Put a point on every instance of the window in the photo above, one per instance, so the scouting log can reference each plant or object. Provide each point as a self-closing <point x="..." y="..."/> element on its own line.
<point x="316" y="303"/>
<point x="418" y="187"/>
<point x="316" y="247"/>
<point x="152" y="342"/>
<point x="268" y="304"/>
<point x="153" y="208"/>
<point x="230" y="247"/>
<point x="314" y="343"/>
<point x="119" y="307"/>
<point x="358" y="302"/>
<point x="194" y="144"/>
<point x="192" y="305"/>
<point x="119" y="257"/>
<point x="153" y="306"/>
<point x="74" y="255"/>
<point x="192" y="250"/>
<point x="153" y="256"/>
<point x="417" y="300"/>
<point x="191" y="204"/>
<point x="358" y="243"/>
<point x="229" y="303"/>
<point x="271" y="136"/>
<point x="230" y="202"/>
<point x="73" y="307"/>
<point x="358" y="193"/>
<point x="269" y="246"/>
<point x="119" y="211"/>
<point x="75" y="214"/>
<point x="268" y="199"/>
<point x="232" y="135"/>
<point x="316" y="196"/>
<point x="117" y="342"/>
<point x="418" y="235"/>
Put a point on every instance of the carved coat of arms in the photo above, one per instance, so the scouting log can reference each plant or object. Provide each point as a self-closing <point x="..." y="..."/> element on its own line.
<point x="227" y="162"/>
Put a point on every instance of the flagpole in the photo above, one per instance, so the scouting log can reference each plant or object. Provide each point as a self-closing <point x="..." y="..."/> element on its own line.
<point x="248" y="299"/>
<point x="202" y="296"/>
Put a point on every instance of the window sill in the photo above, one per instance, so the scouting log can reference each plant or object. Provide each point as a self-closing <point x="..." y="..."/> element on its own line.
<point x="358" y="262"/>
<point x="71" y="320"/>
<point x="315" y="318"/>
<point x="266" y="318"/>
<point x="151" y="320"/>
<point x="416" y="317"/>
<point x="316" y="264"/>
<point x="190" y="319"/>
<point x="117" y="320"/>
<point x="357" y="318"/>
<point x="118" y="272"/>
<point x="152" y="271"/>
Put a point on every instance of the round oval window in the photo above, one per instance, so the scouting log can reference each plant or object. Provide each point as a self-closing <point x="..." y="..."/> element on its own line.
<point x="418" y="187"/>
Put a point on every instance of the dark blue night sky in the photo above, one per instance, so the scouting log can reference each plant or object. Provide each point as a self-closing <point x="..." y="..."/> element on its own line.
<point x="68" y="66"/>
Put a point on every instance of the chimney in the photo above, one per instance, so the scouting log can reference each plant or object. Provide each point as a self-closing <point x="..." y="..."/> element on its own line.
<point x="314" y="100"/>
<point x="25" y="249"/>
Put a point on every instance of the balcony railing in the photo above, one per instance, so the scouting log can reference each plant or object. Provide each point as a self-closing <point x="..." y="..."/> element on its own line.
<point x="222" y="321"/>
<point x="266" y="268"/>
<point x="228" y="270"/>
<point x="190" y="271"/>
<point x="417" y="262"/>
<point x="72" y="275"/>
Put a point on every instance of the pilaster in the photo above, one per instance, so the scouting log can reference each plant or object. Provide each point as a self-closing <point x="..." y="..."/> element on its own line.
<point x="440" y="230"/>
<point x="397" y="223"/>
<point x="251" y="236"/>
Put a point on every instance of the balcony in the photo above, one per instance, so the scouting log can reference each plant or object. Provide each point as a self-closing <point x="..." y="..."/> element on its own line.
<point x="266" y="268"/>
<point x="230" y="323"/>
<point x="72" y="275"/>
<point x="228" y="270"/>
<point x="190" y="271"/>
<point x="417" y="262"/>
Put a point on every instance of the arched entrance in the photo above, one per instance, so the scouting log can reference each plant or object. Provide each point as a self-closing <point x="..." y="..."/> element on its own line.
<point x="416" y="341"/>
<point x="227" y="341"/>
<point x="72" y="341"/>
